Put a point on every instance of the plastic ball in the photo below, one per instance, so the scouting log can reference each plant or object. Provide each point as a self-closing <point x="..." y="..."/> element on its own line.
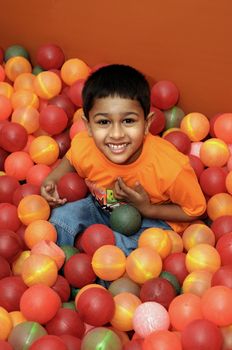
<point x="37" y="173"/>
<point x="172" y="279"/>
<point x="109" y="262"/>
<point x="16" y="50"/>
<point x="158" y="121"/>
<point x="195" y="125"/>
<point x="75" y="92"/>
<point x="96" y="306"/>
<point x="149" y="317"/>
<point x="197" y="282"/>
<point x="53" y="119"/>
<point x="69" y="251"/>
<point x="83" y="289"/>
<point x="4" y="345"/>
<point x="24" y="334"/>
<point x="33" y="207"/>
<point x="12" y="288"/>
<point x="72" y="187"/>
<point x="47" y="85"/>
<point x="143" y="264"/>
<point x="164" y="340"/>
<point x="10" y="245"/>
<point x="213" y="180"/>
<point x="125" y="219"/>
<point x="39" y="303"/>
<point x="214" y="152"/>
<point x="24" y="81"/>
<point x="8" y="184"/>
<point x="122" y="285"/>
<point x="62" y="288"/>
<point x="17" y="164"/>
<point x="229" y="164"/>
<point x="197" y="233"/>
<point x="203" y="257"/>
<point x="44" y="150"/>
<point x="28" y="117"/>
<point x="229" y="182"/>
<point x="76" y="127"/>
<point x="201" y="334"/>
<point x="101" y="337"/>
<point x="24" y="98"/>
<point x="184" y="309"/>
<point x="63" y="101"/>
<point x="134" y="344"/>
<point x="17" y="65"/>
<point x="223" y="127"/>
<point x="50" y="249"/>
<point x="48" y="342"/>
<point x="173" y="117"/>
<point x="66" y="321"/>
<point x="3" y="156"/>
<point x="125" y="306"/>
<point x="50" y="56"/>
<point x="195" y="148"/>
<point x="72" y="343"/>
<point x="156" y="238"/>
<point x="219" y="205"/>
<point x="5" y="269"/>
<point x="78" y="270"/>
<point x="8" y="217"/>
<point x="5" y="107"/>
<point x="95" y="236"/>
<point x="223" y="276"/>
<point x="73" y="70"/>
<point x="23" y="191"/>
<point x="13" y="137"/>
<point x="63" y="140"/>
<point x="180" y="140"/>
<point x="224" y="248"/>
<point x="176" y="240"/>
<point x="2" y="73"/>
<point x="17" y="264"/>
<point x="227" y="337"/>
<point x="6" y="89"/>
<point x="164" y="94"/>
<point x="5" y="324"/>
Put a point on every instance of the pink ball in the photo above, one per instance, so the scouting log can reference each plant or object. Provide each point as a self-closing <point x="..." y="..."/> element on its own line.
<point x="149" y="317"/>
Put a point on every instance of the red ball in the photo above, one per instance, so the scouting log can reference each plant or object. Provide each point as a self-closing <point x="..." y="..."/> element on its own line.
<point x="53" y="119"/>
<point x="5" y="269"/>
<point x="196" y="164"/>
<point x="8" y="184"/>
<point x="175" y="264"/>
<point x="12" y="288"/>
<point x="72" y="343"/>
<point x="10" y="245"/>
<point x="222" y="225"/>
<point x="49" y="342"/>
<point x="78" y="270"/>
<point x="66" y="321"/>
<point x="3" y="155"/>
<point x="62" y="288"/>
<point x="158" y="122"/>
<point x="180" y="140"/>
<point x="95" y="236"/>
<point x="224" y="248"/>
<point x="212" y="122"/>
<point x="4" y="345"/>
<point x="201" y="334"/>
<point x="164" y="94"/>
<point x="9" y="217"/>
<point x="223" y="276"/>
<point x="64" y="102"/>
<point x="23" y="191"/>
<point x="75" y="92"/>
<point x="159" y="290"/>
<point x="13" y="137"/>
<point x="96" y="306"/>
<point x="72" y="187"/>
<point x="50" y="56"/>
<point x="135" y="344"/>
<point x="37" y="173"/>
<point x="63" y="140"/>
<point x="213" y="181"/>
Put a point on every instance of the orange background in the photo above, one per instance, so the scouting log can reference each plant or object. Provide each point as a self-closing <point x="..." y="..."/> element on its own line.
<point x="186" y="41"/>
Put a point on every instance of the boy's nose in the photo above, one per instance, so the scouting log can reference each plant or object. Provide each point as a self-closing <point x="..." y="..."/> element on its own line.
<point x="116" y="131"/>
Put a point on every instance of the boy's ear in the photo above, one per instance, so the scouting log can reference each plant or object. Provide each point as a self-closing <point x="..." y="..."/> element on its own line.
<point x="86" y="121"/>
<point x="149" y="120"/>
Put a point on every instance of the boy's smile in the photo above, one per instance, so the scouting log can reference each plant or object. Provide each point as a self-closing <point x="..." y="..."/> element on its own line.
<point x="118" y="126"/>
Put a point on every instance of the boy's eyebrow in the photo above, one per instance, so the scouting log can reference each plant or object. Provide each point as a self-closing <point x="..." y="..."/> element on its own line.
<point x="124" y="114"/>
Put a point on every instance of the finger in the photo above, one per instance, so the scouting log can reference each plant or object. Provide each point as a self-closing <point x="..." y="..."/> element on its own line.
<point x="126" y="189"/>
<point x="118" y="191"/>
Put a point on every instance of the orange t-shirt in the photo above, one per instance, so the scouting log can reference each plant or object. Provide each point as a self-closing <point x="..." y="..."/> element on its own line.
<point x="164" y="173"/>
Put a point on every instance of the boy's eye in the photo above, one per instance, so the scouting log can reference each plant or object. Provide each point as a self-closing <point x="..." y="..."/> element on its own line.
<point x="128" y="121"/>
<point x="103" y="121"/>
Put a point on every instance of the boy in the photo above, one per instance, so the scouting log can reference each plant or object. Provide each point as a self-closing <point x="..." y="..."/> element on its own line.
<point x="118" y="155"/>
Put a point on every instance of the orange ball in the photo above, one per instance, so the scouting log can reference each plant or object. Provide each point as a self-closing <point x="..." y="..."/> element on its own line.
<point x="219" y="205"/>
<point x="5" y="324"/>
<point x="38" y="231"/>
<point x="195" y="125"/>
<point x="24" y="82"/>
<point x="38" y="268"/>
<point x="50" y="249"/>
<point x="17" y="318"/>
<point x="17" y="65"/>
<point x="203" y="257"/>
<point x="47" y="85"/>
<point x="214" y="152"/>
<point x="44" y="150"/>
<point x="6" y="89"/>
<point x="5" y="107"/>
<point x="33" y="207"/>
<point x="17" y="164"/>
<point x="184" y="309"/>
<point x="28" y="117"/>
<point x="197" y="233"/>
<point x="157" y="239"/>
<point x="17" y="264"/>
<point x="78" y="114"/>
<point x="109" y="262"/>
<point x="125" y="306"/>
<point x="24" y="98"/>
<point x="143" y="264"/>
<point x="197" y="282"/>
<point x="73" y="70"/>
<point x="229" y="182"/>
<point x="177" y="242"/>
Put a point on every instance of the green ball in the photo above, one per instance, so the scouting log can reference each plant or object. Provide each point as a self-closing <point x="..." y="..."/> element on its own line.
<point x="69" y="251"/>
<point x="16" y="50"/>
<point x="173" y="117"/>
<point x="37" y="69"/>
<point x="69" y="305"/>
<point x="172" y="279"/>
<point x="125" y="219"/>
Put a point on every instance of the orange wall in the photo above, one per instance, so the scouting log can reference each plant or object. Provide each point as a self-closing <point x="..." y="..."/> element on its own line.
<point x="186" y="41"/>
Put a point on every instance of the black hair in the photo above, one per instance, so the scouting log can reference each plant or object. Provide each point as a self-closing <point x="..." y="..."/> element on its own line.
<point x="116" y="80"/>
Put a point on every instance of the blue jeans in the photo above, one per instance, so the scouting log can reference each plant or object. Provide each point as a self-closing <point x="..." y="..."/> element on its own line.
<point x="73" y="218"/>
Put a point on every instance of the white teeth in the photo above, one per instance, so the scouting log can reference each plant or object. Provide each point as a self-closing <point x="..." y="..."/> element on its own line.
<point x="117" y="147"/>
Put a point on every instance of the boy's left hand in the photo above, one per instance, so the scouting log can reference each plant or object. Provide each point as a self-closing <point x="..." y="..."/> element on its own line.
<point x="136" y="196"/>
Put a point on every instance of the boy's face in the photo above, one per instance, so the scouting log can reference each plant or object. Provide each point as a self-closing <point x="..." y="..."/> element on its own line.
<point x="118" y="126"/>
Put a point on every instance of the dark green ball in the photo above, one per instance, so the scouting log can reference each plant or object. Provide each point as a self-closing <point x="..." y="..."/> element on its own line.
<point x="125" y="219"/>
<point x="37" y="69"/>
<point x="173" y="117"/>
<point x="16" y="50"/>
<point x="172" y="279"/>
<point x="69" y="251"/>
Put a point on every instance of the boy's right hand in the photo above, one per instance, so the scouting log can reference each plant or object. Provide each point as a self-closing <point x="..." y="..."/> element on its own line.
<point x="49" y="192"/>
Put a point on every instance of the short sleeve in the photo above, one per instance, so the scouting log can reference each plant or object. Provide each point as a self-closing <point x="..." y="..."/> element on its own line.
<point x="186" y="192"/>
